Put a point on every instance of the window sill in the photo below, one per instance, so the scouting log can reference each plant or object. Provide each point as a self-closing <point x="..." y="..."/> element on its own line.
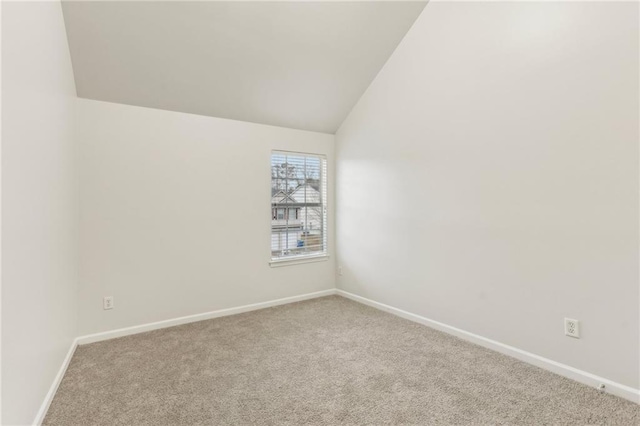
<point x="276" y="263"/>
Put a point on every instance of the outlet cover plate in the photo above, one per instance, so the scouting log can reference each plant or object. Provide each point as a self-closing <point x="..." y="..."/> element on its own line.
<point x="107" y="302"/>
<point x="572" y="327"/>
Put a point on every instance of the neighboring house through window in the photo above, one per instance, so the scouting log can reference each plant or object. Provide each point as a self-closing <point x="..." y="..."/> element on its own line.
<point x="298" y="205"/>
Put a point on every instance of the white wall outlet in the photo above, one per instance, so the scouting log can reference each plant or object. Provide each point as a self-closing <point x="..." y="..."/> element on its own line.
<point x="340" y="270"/>
<point x="572" y="328"/>
<point x="107" y="302"/>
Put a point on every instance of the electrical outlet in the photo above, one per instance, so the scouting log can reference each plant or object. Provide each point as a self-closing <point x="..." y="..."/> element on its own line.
<point x="107" y="302"/>
<point x="340" y="270"/>
<point x="572" y="328"/>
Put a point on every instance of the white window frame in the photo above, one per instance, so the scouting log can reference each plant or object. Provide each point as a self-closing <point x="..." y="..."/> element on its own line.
<point x="316" y="256"/>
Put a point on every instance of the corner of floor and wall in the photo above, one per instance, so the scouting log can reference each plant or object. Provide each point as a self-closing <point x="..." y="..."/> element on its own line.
<point x="486" y="184"/>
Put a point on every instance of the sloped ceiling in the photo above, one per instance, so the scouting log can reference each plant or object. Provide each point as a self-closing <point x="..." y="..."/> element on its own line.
<point x="301" y="65"/>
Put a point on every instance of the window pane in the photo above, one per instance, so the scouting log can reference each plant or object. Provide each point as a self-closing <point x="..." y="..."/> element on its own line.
<point x="298" y="198"/>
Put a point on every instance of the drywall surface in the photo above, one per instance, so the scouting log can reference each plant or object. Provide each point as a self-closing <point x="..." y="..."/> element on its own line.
<point x="296" y="64"/>
<point x="40" y="205"/>
<point x="176" y="215"/>
<point x="488" y="179"/>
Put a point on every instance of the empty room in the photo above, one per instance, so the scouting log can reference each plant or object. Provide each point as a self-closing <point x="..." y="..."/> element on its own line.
<point x="319" y="213"/>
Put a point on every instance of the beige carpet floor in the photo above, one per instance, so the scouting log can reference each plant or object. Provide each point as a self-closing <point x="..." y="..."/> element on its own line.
<point x="325" y="361"/>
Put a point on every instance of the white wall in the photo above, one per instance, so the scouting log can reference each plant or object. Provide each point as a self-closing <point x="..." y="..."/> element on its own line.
<point x="40" y="207"/>
<point x="488" y="178"/>
<point x="171" y="216"/>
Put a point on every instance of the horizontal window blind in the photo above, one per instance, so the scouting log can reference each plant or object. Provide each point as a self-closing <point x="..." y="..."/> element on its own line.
<point x="298" y="205"/>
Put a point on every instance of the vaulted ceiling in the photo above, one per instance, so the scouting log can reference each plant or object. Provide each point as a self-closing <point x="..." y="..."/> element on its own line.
<point x="301" y="65"/>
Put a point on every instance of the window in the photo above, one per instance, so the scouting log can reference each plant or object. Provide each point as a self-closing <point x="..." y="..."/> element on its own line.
<point x="298" y="206"/>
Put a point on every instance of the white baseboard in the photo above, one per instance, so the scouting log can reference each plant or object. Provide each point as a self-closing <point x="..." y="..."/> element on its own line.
<point x="584" y="377"/>
<point x="580" y="376"/>
<point x="97" y="337"/>
<point x="42" y="412"/>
